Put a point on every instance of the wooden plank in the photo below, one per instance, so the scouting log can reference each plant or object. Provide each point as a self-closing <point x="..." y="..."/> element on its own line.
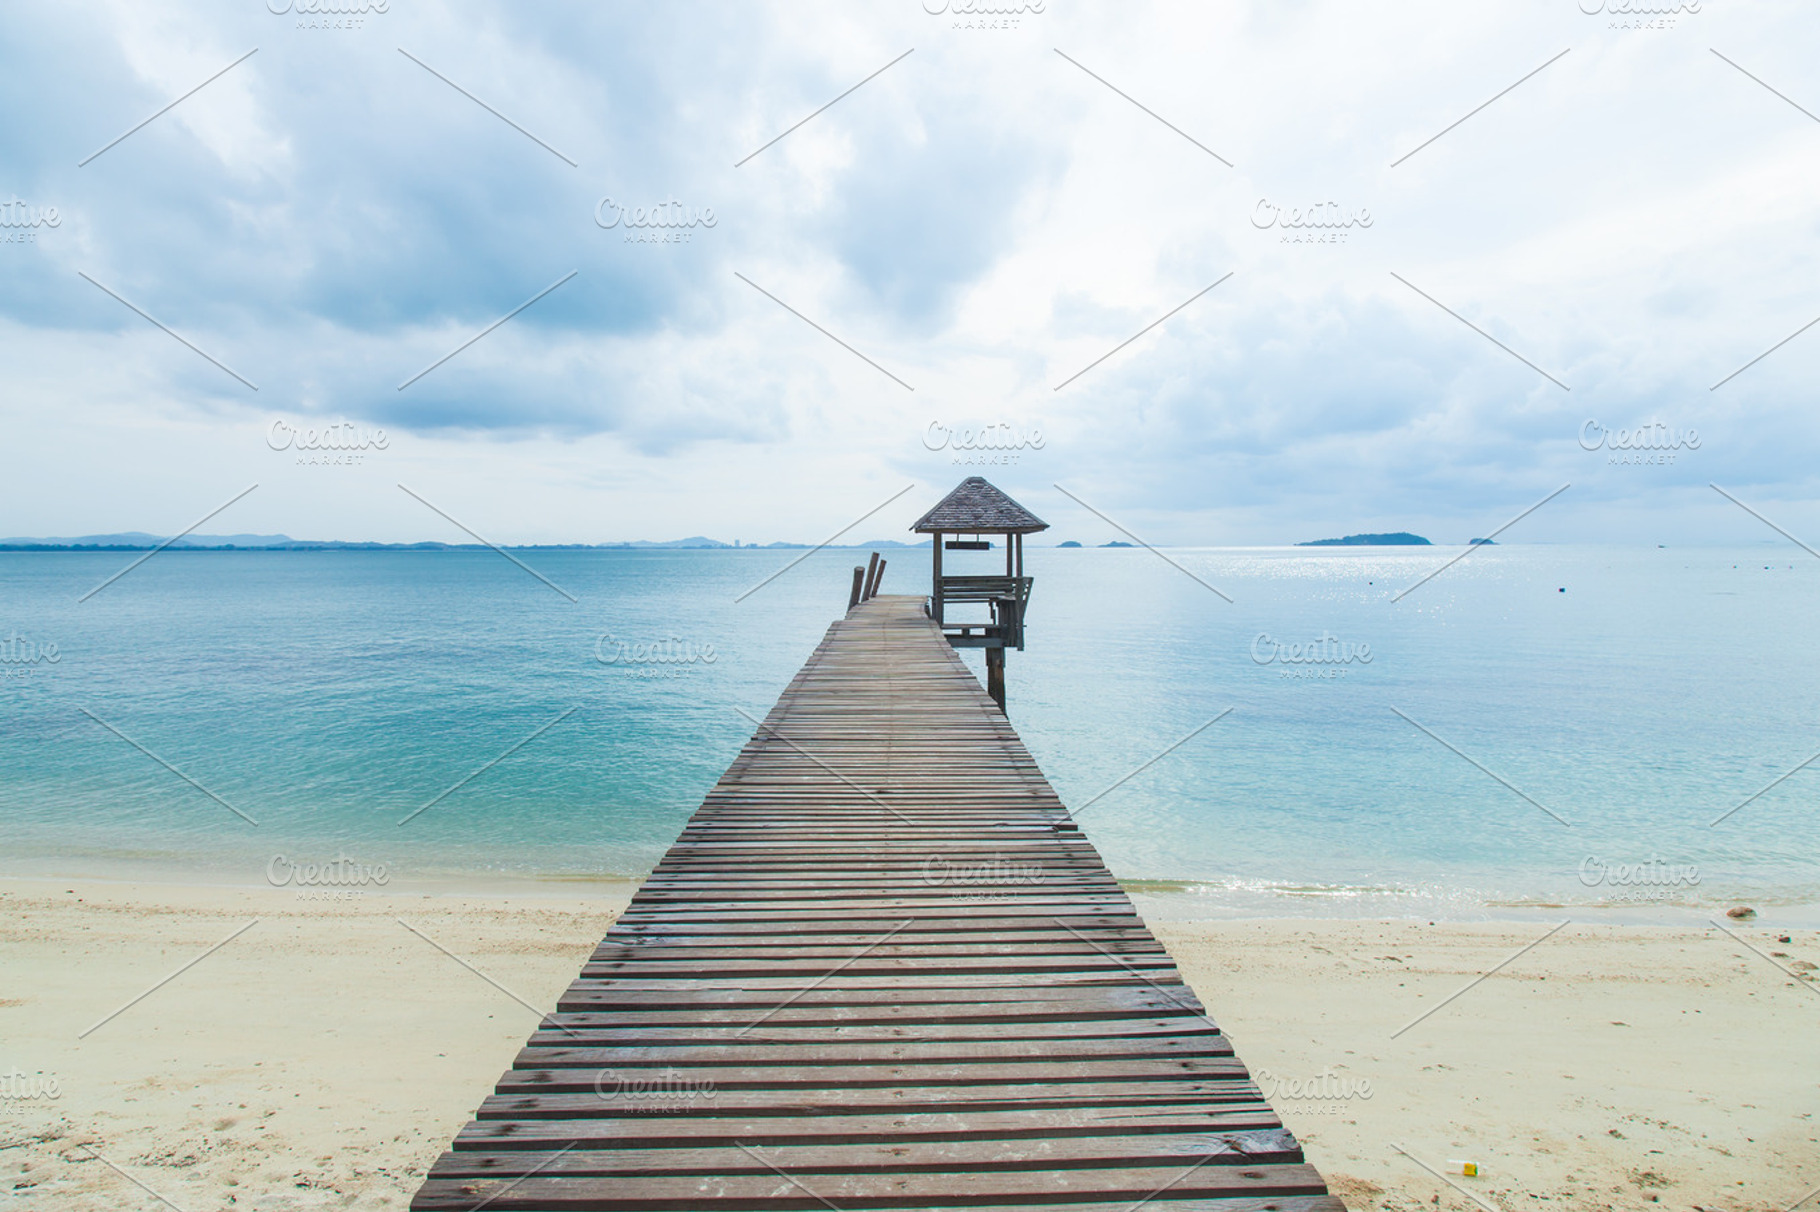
<point x="531" y="1074"/>
<point x="553" y="1045"/>
<point x="1224" y="1148"/>
<point x="599" y="997"/>
<point x="880" y="968"/>
<point x="670" y="1131"/>
<point x="874" y="1189"/>
<point x="608" y="1030"/>
<point x="688" y="1090"/>
<point x="667" y="1094"/>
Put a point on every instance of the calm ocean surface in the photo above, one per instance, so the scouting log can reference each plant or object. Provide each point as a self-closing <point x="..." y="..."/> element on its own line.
<point x="329" y="695"/>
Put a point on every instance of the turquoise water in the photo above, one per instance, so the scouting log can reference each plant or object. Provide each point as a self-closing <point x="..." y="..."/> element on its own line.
<point x="329" y="695"/>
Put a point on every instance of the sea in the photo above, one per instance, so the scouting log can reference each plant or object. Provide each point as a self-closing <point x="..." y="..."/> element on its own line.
<point x="1357" y="731"/>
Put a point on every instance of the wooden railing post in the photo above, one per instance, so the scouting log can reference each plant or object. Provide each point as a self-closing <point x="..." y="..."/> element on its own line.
<point x="859" y="583"/>
<point x="871" y="572"/>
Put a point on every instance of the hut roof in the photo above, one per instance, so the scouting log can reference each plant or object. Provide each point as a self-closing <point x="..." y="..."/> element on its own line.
<point x="976" y="507"/>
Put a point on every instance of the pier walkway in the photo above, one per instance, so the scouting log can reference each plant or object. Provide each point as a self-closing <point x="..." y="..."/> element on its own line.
<point x="881" y="968"/>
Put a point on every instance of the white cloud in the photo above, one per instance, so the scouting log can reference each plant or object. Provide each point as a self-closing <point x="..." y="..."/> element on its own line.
<point x="983" y="220"/>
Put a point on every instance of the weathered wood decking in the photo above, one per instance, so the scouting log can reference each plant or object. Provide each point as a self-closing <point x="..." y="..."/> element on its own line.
<point x="880" y="969"/>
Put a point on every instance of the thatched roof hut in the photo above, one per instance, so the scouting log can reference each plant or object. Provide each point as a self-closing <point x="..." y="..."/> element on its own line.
<point x="976" y="507"/>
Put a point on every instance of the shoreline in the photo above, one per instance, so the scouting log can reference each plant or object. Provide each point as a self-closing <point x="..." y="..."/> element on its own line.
<point x="1159" y="900"/>
<point x="1175" y="900"/>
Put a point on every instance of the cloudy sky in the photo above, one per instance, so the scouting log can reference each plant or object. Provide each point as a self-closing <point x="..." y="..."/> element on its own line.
<point x="990" y="214"/>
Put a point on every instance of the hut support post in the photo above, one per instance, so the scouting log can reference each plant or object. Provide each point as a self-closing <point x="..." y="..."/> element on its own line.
<point x="935" y="590"/>
<point x="995" y="675"/>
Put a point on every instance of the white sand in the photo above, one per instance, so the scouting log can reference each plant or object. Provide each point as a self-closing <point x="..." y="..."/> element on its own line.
<point x="327" y="1055"/>
<point x="322" y="1059"/>
<point x="1608" y="1067"/>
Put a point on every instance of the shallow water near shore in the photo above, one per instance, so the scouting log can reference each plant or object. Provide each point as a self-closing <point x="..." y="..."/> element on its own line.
<point x="1533" y="727"/>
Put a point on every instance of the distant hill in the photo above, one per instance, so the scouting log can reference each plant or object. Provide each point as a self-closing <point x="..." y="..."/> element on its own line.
<point x="1401" y="538"/>
<point x="1069" y="543"/>
<point x="1115" y="543"/>
<point x="138" y="538"/>
<point x="696" y="541"/>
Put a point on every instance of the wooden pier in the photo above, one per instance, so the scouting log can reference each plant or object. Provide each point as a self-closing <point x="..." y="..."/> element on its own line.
<point x="881" y="968"/>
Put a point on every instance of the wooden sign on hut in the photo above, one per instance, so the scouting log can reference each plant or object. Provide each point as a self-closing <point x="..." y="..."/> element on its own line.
<point x="966" y="520"/>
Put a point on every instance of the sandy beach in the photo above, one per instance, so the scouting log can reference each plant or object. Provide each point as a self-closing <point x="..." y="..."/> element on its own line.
<point x="321" y="1059"/>
<point x="1607" y="1067"/>
<point x="325" y="1053"/>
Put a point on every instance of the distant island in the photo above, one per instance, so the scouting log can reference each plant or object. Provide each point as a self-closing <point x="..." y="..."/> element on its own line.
<point x="1481" y="542"/>
<point x="1115" y="543"/>
<point x="1401" y="538"/>
<point x="1069" y="543"/>
<point x="140" y="541"/>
